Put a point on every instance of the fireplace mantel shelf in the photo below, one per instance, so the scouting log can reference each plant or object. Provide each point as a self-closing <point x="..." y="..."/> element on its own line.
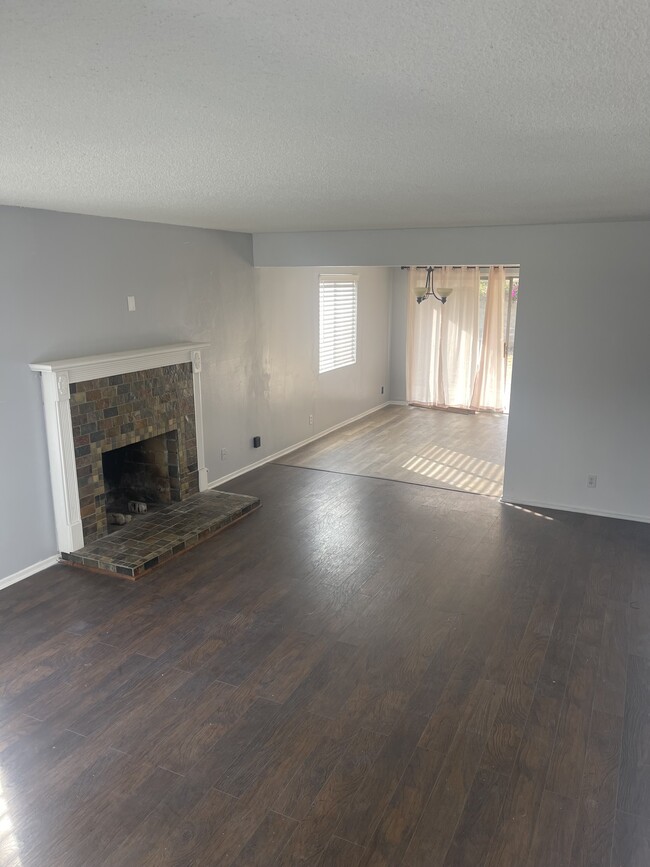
<point x="108" y="364"/>
<point x="56" y="379"/>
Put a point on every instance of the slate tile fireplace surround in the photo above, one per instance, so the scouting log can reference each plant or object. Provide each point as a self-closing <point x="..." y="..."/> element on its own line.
<point x="98" y="404"/>
<point x="116" y="411"/>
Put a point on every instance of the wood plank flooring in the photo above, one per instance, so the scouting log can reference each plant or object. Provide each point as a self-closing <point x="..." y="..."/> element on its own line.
<point x="442" y="449"/>
<point x="362" y="673"/>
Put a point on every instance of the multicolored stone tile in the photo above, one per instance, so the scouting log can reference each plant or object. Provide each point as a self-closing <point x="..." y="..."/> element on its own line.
<point x="116" y="411"/>
<point x="153" y="538"/>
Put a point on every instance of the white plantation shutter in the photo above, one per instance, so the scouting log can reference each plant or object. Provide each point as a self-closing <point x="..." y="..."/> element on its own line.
<point x="338" y="321"/>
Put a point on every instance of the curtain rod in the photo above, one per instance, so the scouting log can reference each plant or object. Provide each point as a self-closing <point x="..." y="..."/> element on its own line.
<point x="453" y="267"/>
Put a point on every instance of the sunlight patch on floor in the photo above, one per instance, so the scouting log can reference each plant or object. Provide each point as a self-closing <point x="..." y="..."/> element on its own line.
<point x="9" y="853"/>
<point x="529" y="511"/>
<point x="457" y="469"/>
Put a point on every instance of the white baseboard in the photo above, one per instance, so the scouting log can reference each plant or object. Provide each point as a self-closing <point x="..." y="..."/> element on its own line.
<point x="274" y="457"/>
<point x="580" y="510"/>
<point x="29" y="570"/>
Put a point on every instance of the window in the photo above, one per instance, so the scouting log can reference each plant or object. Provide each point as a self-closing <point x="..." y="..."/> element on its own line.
<point x="337" y="321"/>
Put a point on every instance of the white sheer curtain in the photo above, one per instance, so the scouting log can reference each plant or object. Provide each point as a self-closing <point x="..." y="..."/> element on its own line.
<point x="443" y="368"/>
<point x="442" y="344"/>
<point x="489" y="386"/>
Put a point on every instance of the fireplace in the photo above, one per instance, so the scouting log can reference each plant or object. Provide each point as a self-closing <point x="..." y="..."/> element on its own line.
<point x="140" y="476"/>
<point x="120" y="427"/>
<point x="122" y="412"/>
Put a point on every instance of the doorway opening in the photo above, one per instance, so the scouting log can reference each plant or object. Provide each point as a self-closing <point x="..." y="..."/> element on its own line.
<point x="460" y="350"/>
<point x="450" y="432"/>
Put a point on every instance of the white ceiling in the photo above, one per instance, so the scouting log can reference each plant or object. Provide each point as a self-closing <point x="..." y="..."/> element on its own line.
<point x="261" y="115"/>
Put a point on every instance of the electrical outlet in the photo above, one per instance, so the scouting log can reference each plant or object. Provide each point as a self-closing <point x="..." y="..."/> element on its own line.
<point x="130" y="303"/>
<point x="311" y="419"/>
<point x="382" y="389"/>
<point x="224" y="454"/>
<point x="592" y="481"/>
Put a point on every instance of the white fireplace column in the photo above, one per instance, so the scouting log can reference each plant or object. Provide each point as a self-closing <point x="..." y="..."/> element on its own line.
<point x="56" y="377"/>
<point x="63" y="466"/>
<point x="198" y="409"/>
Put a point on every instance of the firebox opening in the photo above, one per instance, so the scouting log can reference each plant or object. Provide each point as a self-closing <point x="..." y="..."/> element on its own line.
<point x="142" y="472"/>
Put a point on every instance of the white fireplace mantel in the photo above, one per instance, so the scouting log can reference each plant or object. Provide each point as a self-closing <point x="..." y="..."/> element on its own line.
<point x="56" y="377"/>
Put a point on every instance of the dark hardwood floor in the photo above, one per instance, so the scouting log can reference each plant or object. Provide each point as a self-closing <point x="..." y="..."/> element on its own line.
<point x="364" y="672"/>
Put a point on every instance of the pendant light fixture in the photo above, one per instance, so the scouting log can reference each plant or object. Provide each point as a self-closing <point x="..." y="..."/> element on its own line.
<point x="422" y="292"/>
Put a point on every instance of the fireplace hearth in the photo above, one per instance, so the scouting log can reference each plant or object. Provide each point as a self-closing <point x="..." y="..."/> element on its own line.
<point x="154" y="538"/>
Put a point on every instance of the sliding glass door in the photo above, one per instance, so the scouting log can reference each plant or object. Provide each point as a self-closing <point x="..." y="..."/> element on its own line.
<point x="510" y="320"/>
<point x="511" y="290"/>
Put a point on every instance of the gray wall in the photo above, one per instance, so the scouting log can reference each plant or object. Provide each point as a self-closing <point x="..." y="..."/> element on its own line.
<point x="288" y="299"/>
<point x="63" y="285"/>
<point x="581" y="372"/>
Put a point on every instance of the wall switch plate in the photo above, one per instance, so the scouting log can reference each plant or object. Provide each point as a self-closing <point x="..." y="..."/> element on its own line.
<point x="224" y="454"/>
<point x="311" y="419"/>
<point x="592" y="481"/>
<point x="130" y="303"/>
<point x="382" y="389"/>
<point x="257" y="442"/>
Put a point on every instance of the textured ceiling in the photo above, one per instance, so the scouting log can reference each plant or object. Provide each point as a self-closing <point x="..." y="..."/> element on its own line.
<point x="262" y="115"/>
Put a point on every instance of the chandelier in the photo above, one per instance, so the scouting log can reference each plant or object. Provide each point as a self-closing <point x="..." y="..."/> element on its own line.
<point x="422" y="292"/>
